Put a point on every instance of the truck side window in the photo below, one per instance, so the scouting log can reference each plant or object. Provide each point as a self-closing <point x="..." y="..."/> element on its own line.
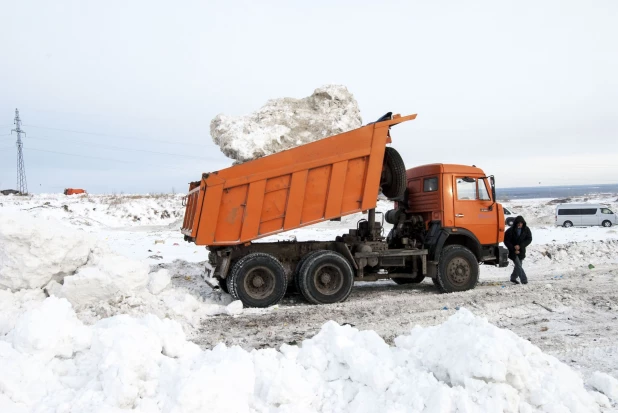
<point x="430" y="184"/>
<point x="606" y="211"/>
<point x="483" y="194"/>
<point x="466" y="188"/>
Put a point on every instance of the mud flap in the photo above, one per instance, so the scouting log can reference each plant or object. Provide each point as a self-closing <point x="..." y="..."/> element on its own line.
<point x="432" y="269"/>
<point x="503" y="257"/>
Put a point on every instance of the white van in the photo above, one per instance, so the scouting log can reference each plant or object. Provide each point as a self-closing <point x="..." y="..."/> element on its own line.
<point x="568" y="215"/>
<point x="509" y="215"/>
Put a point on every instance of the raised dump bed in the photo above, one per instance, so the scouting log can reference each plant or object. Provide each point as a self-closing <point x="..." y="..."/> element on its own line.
<point x="322" y="180"/>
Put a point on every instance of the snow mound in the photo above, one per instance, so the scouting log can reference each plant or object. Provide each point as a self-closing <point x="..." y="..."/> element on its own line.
<point x="602" y="251"/>
<point x="147" y="365"/>
<point x="35" y="251"/>
<point x="106" y="275"/>
<point x="604" y="383"/>
<point x="38" y="252"/>
<point x="286" y="123"/>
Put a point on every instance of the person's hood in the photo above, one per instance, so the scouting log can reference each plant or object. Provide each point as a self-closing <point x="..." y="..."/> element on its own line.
<point x="518" y="220"/>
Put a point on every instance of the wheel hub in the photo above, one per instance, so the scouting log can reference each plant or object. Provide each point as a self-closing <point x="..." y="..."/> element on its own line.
<point x="258" y="281"/>
<point x="458" y="271"/>
<point x="328" y="279"/>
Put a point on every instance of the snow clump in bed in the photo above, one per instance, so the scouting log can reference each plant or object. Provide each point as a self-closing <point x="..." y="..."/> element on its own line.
<point x="286" y="123"/>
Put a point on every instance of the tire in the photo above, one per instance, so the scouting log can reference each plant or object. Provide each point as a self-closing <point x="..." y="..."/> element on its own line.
<point x="326" y="277"/>
<point x="393" y="181"/>
<point x="567" y="224"/>
<point x="300" y="265"/>
<point x="416" y="280"/>
<point x="458" y="269"/>
<point x="509" y="221"/>
<point x="258" y="280"/>
<point x="607" y="224"/>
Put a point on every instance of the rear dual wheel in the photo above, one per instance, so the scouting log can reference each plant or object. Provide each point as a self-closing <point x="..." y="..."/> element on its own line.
<point x="325" y="277"/>
<point x="258" y="280"/>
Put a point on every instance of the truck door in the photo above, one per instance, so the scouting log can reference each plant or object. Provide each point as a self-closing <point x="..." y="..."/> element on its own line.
<point x="471" y="202"/>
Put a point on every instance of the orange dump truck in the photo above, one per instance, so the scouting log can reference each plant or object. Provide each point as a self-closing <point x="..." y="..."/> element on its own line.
<point x="444" y="222"/>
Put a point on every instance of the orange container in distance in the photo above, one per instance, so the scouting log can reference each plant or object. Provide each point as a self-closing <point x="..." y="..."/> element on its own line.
<point x="74" y="191"/>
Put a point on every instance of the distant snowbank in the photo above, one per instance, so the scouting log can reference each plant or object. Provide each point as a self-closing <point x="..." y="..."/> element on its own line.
<point x="52" y="361"/>
<point x="95" y="211"/>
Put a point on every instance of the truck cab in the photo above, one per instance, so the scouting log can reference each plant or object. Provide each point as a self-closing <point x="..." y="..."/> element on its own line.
<point x="460" y="197"/>
<point x="462" y="223"/>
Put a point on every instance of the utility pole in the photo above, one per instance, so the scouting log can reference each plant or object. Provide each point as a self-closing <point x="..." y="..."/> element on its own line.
<point x="22" y="186"/>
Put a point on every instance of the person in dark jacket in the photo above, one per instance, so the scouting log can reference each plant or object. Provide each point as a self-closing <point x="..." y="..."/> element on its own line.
<point x="516" y="239"/>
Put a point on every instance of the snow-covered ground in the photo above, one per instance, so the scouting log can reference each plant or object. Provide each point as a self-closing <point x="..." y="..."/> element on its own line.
<point x="130" y="325"/>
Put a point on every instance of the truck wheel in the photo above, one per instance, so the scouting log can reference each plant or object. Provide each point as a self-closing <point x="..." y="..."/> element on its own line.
<point x="258" y="280"/>
<point x="458" y="269"/>
<point x="607" y="224"/>
<point x="326" y="277"/>
<point x="299" y="266"/>
<point x="393" y="181"/>
<point x="402" y="281"/>
<point x="567" y="224"/>
<point x="509" y="221"/>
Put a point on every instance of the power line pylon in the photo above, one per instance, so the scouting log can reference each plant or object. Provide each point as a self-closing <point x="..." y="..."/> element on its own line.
<point x="22" y="185"/>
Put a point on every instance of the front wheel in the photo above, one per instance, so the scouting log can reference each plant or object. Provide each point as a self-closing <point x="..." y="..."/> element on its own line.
<point x="567" y="224"/>
<point x="458" y="269"/>
<point x="258" y="280"/>
<point x="607" y="224"/>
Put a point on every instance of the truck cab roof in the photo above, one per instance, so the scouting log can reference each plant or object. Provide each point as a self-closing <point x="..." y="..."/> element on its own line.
<point x="437" y="168"/>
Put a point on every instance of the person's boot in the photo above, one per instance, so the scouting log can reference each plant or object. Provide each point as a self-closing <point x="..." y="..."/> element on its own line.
<point x="515" y="281"/>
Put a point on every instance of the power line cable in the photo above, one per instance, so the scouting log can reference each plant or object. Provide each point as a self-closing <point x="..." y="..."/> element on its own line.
<point x="100" y="158"/>
<point x="118" y="136"/>
<point x="121" y="148"/>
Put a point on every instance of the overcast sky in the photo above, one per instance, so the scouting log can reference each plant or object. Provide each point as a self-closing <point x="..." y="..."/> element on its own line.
<point x="117" y="96"/>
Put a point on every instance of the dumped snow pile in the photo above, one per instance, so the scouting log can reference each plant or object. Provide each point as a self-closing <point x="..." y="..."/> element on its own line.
<point x="285" y="123"/>
<point x="52" y="361"/>
<point x="35" y="251"/>
<point x="40" y="253"/>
